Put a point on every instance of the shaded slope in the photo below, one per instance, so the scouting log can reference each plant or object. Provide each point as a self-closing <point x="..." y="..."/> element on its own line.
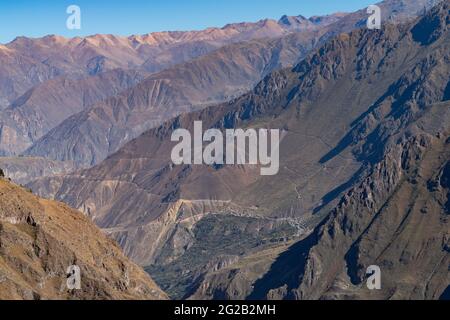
<point x="396" y="219"/>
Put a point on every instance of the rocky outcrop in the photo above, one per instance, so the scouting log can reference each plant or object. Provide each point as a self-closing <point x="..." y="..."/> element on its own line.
<point x="40" y="239"/>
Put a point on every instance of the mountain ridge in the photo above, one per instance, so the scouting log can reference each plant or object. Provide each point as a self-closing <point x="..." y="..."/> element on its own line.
<point x="40" y="239"/>
<point x="218" y="76"/>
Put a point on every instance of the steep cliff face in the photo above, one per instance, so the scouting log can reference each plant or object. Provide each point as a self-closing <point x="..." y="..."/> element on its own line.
<point x="396" y="218"/>
<point x="40" y="239"/>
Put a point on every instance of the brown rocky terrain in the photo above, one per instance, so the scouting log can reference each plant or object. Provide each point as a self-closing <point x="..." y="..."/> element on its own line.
<point x="90" y="136"/>
<point x="40" y="239"/>
<point x="365" y="132"/>
<point x="396" y="218"/>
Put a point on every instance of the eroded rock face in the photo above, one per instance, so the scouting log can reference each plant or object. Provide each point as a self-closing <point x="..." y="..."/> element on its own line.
<point x="40" y="239"/>
<point x="391" y="220"/>
<point x="396" y="218"/>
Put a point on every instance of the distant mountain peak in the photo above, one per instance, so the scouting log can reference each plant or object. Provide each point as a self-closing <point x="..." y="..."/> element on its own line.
<point x="293" y="20"/>
<point x="314" y="21"/>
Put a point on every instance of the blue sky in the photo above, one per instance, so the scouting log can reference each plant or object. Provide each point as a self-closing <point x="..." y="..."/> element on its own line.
<point x="36" y="18"/>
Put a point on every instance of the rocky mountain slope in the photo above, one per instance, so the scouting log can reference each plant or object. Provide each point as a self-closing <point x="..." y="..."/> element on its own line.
<point x="406" y="235"/>
<point x="90" y="136"/>
<point x="47" y="104"/>
<point x="46" y="80"/>
<point x="40" y="239"/>
<point x="19" y="73"/>
<point x="397" y="218"/>
<point x="22" y="170"/>
<point x="27" y="62"/>
<point x="358" y="116"/>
